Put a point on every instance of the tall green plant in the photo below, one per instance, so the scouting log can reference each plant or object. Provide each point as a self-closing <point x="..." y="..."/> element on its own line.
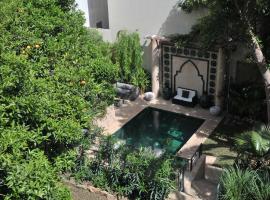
<point x="127" y="54"/>
<point x="237" y="184"/>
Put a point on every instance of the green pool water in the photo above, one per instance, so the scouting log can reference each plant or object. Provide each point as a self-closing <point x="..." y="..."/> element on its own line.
<point x="158" y="129"/>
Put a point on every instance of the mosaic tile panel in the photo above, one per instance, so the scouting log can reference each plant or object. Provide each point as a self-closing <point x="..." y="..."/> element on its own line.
<point x="190" y="53"/>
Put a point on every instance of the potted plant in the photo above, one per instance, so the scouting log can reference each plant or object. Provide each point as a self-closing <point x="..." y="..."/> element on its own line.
<point x="205" y="100"/>
<point x="167" y="93"/>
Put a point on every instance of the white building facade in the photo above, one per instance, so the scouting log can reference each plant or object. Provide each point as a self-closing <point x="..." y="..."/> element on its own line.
<point x="147" y="17"/>
<point x="170" y="67"/>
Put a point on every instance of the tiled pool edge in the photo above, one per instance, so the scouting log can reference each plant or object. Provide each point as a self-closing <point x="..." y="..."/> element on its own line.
<point x="198" y="138"/>
<point x="117" y="117"/>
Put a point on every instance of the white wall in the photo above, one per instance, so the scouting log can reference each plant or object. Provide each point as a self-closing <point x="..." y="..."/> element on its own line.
<point x="98" y="11"/>
<point x="188" y="77"/>
<point x="149" y="17"/>
<point x="83" y="6"/>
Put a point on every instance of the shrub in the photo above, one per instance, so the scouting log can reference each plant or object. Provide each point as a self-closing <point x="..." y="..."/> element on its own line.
<point x="25" y="173"/>
<point x="127" y="54"/>
<point x="253" y="148"/>
<point x="135" y="174"/>
<point x="247" y="100"/>
<point x="55" y="77"/>
<point x="240" y="184"/>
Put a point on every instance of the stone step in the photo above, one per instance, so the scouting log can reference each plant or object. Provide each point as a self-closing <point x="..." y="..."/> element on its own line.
<point x="212" y="173"/>
<point x="196" y="173"/>
<point x="180" y="196"/>
<point x="205" y="189"/>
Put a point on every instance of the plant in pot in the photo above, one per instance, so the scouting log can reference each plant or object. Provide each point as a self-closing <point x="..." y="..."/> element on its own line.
<point x="205" y="100"/>
<point x="167" y="93"/>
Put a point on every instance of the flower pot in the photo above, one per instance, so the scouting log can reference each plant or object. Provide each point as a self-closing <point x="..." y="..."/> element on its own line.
<point x="205" y="101"/>
<point x="167" y="93"/>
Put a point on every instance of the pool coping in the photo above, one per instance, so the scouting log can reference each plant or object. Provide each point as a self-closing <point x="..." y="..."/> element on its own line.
<point x="115" y="118"/>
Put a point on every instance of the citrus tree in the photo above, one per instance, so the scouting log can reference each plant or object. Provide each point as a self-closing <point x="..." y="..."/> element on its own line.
<point x="55" y="77"/>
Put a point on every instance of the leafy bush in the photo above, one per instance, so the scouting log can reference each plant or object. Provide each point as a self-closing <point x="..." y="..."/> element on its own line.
<point x="253" y="148"/>
<point x="34" y="178"/>
<point x="136" y="174"/>
<point x="247" y="100"/>
<point x="240" y="184"/>
<point x="55" y="77"/>
<point x="127" y="54"/>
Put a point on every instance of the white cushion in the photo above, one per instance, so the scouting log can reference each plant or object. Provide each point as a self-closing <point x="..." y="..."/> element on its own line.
<point x="180" y="93"/>
<point x="189" y="99"/>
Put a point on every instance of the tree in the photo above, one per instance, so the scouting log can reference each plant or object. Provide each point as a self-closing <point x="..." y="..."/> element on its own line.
<point x="236" y="21"/>
<point x="55" y="77"/>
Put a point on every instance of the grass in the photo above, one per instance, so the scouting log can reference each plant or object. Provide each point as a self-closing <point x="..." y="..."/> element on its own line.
<point x="220" y="144"/>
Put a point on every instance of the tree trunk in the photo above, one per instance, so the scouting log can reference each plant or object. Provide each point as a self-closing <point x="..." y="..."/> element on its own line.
<point x="258" y="56"/>
<point x="262" y="65"/>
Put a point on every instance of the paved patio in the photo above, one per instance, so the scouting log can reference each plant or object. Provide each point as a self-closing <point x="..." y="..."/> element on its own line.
<point x="117" y="117"/>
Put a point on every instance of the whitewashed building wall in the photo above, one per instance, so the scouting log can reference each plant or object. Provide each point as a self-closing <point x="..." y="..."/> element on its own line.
<point x="147" y="17"/>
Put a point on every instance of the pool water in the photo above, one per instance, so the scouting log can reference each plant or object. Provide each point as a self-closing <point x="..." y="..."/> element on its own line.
<point x="161" y="130"/>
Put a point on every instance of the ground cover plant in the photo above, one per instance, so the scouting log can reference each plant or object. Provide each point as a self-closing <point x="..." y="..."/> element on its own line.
<point x="243" y="151"/>
<point x="238" y="184"/>
<point x="131" y="173"/>
<point x="221" y="143"/>
<point x="249" y="178"/>
<point x="55" y="77"/>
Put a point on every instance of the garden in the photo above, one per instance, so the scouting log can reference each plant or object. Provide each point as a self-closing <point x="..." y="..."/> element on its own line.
<point x="56" y="77"/>
<point x="241" y="142"/>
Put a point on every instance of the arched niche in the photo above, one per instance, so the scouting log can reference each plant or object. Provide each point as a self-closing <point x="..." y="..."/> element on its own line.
<point x="189" y="76"/>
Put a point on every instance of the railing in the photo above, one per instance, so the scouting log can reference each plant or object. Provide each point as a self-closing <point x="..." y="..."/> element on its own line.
<point x="180" y="178"/>
<point x="218" y="192"/>
<point x="187" y="166"/>
<point x="195" y="157"/>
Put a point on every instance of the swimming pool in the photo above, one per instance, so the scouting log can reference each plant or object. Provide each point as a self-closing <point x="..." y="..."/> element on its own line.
<point x="161" y="130"/>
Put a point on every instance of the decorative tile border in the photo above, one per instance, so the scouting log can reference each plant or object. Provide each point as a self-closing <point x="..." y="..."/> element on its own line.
<point x="169" y="50"/>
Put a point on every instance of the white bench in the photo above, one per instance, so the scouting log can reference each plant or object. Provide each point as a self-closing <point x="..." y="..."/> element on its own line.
<point x="185" y="97"/>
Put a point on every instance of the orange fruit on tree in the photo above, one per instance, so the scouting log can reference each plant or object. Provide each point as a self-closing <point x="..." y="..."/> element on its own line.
<point x="82" y="82"/>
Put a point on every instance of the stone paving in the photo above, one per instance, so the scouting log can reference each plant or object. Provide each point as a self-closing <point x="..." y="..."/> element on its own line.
<point x="117" y="117"/>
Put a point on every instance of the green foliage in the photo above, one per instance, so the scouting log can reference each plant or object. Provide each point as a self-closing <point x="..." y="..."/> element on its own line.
<point x="247" y="99"/>
<point x="103" y="70"/>
<point x="141" y="79"/>
<point x="66" y="5"/>
<point x="55" y="77"/>
<point x="127" y="54"/>
<point x="237" y="184"/>
<point x="230" y="22"/>
<point x="33" y="178"/>
<point x="253" y="148"/>
<point x="136" y="174"/>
